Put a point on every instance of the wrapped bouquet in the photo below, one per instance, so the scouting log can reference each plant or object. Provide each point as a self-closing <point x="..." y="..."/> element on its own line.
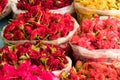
<point x="88" y="9"/>
<point x="42" y="57"/>
<point x="98" y="39"/>
<point x="55" y="6"/>
<point x="92" y="71"/>
<point x="40" y="25"/>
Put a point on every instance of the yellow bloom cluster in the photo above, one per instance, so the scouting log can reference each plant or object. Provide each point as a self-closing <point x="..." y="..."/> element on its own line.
<point x="100" y="4"/>
<point x="94" y="6"/>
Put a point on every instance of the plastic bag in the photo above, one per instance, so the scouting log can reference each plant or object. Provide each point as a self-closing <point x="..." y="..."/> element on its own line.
<point x="99" y="55"/>
<point x="105" y="53"/>
<point x="56" y="42"/>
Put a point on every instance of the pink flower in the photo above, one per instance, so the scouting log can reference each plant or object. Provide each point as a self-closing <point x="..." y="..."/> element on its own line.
<point x="45" y="75"/>
<point x="98" y="34"/>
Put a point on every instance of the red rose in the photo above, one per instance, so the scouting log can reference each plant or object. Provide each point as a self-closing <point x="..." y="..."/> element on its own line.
<point x="38" y="33"/>
<point x="8" y="36"/>
<point x="18" y="35"/>
<point x="28" y="29"/>
<point x="9" y="56"/>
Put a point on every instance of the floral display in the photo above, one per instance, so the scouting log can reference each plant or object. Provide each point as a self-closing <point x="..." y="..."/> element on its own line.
<point x="98" y="33"/>
<point x="60" y="40"/>
<point x="39" y="25"/>
<point x="50" y="4"/>
<point x="92" y="71"/>
<point x="45" y="56"/>
<point x="25" y="71"/>
<point x="87" y="9"/>
<point x="100" y="4"/>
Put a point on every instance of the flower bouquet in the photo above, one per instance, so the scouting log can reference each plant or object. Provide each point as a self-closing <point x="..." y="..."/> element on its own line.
<point x="92" y="71"/>
<point x="40" y="25"/>
<point x="45" y="57"/>
<point x="55" y="6"/>
<point x="88" y="9"/>
<point x="5" y="8"/>
<point x="97" y="39"/>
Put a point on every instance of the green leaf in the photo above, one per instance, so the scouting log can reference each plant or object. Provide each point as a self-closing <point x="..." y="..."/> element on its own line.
<point x="53" y="50"/>
<point x="31" y="1"/>
<point x="44" y="61"/>
<point x="35" y="48"/>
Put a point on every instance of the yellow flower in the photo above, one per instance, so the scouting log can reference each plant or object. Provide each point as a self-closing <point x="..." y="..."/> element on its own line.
<point x="100" y="4"/>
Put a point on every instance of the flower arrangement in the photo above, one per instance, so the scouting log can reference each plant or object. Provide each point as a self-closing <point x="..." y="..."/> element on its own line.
<point x="4" y="8"/>
<point x="45" y="56"/>
<point x="97" y="38"/>
<point x="91" y="8"/>
<point x="98" y="34"/>
<point x="25" y="71"/>
<point x="50" y="4"/>
<point x="56" y="6"/>
<point x="101" y="5"/>
<point x="92" y="71"/>
<point x="38" y="24"/>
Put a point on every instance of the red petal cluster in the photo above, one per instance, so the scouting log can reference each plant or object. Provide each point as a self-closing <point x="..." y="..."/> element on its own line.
<point x="45" y="56"/>
<point x="38" y="24"/>
<point x="92" y="71"/>
<point x="3" y="3"/>
<point x="50" y="4"/>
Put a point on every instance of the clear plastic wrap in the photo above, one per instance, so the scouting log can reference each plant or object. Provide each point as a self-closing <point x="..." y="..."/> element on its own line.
<point x="67" y="9"/>
<point x="109" y="55"/>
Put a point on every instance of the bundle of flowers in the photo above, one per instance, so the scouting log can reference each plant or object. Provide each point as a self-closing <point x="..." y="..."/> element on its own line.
<point x="5" y="8"/>
<point x="44" y="56"/>
<point x="97" y="38"/>
<point x="25" y="71"/>
<point x="92" y="71"/>
<point x="40" y="25"/>
<point x="56" y="6"/>
<point x="90" y="8"/>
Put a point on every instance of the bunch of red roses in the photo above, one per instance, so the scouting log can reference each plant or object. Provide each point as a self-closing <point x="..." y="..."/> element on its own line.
<point x="3" y="3"/>
<point x="98" y="33"/>
<point x="25" y="71"/>
<point x="45" y="56"/>
<point x="50" y="4"/>
<point x="38" y="25"/>
<point x="92" y="71"/>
